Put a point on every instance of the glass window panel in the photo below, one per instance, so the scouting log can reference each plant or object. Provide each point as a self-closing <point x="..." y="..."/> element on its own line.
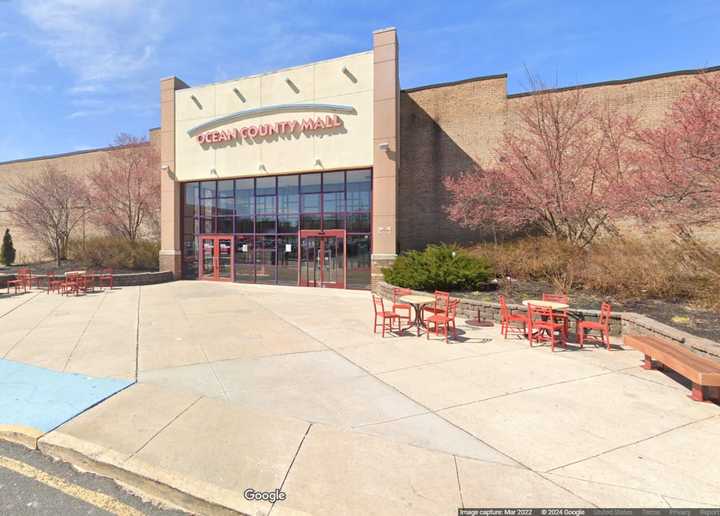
<point x="244" y="224"/>
<point x="244" y="203"/>
<point x="207" y="225"/>
<point x="190" y="226"/>
<point x="311" y="203"/>
<point x="225" y="188"/>
<point x="265" y="224"/>
<point x="287" y="224"/>
<point x="358" y="222"/>
<point x="334" y="201"/>
<point x="244" y="259"/>
<point x="287" y="260"/>
<point x="359" y="186"/>
<point x="358" y="261"/>
<point x="265" y="260"/>
<point x="334" y="221"/>
<point x="288" y="198"/>
<point x="191" y="200"/>
<point x="224" y="225"/>
<point x="265" y="205"/>
<point x="207" y="189"/>
<point x="265" y="186"/>
<point x="190" y="257"/>
<point x="310" y="221"/>
<point x="207" y="207"/>
<point x="310" y="183"/>
<point x="334" y="182"/>
<point x="225" y="206"/>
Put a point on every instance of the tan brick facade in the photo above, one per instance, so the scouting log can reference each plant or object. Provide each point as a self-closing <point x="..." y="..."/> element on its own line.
<point x="81" y="163"/>
<point x="446" y="129"/>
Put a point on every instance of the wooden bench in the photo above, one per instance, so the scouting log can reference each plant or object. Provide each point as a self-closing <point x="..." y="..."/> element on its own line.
<point x="704" y="373"/>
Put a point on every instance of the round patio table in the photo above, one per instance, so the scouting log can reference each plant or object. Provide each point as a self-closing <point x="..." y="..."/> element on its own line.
<point x="418" y="301"/>
<point x="554" y="305"/>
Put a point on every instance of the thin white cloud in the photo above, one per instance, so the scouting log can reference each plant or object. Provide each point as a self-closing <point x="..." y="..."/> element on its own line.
<point x="98" y="40"/>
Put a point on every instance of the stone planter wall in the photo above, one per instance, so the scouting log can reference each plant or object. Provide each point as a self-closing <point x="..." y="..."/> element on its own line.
<point x="621" y="323"/>
<point x="119" y="280"/>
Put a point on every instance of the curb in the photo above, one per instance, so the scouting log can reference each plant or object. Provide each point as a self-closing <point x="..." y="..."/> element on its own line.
<point x="86" y="456"/>
<point x="19" y="434"/>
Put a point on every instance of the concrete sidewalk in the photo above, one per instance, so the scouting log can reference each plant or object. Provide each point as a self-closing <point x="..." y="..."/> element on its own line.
<point x="251" y="386"/>
<point x="176" y="444"/>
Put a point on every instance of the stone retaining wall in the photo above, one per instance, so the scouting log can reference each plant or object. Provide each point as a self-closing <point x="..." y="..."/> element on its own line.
<point x="130" y="279"/>
<point x="621" y="323"/>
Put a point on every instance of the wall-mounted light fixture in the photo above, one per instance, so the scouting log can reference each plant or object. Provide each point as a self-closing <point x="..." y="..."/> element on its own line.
<point x="240" y="95"/>
<point x="213" y="172"/>
<point x="261" y="166"/>
<point x="385" y="146"/>
<point x="196" y="101"/>
<point x="318" y="163"/>
<point x="350" y="75"/>
<point x="292" y="85"/>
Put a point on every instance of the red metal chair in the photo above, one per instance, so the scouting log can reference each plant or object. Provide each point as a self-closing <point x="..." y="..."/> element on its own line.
<point x="72" y="283"/>
<point x="53" y="283"/>
<point x="105" y="277"/>
<point x="445" y="319"/>
<point x="396" y="307"/>
<point x="384" y="315"/>
<point x="90" y="279"/>
<point x="560" y="315"/>
<point x="542" y="326"/>
<point x="434" y="308"/>
<point x="507" y="318"/>
<point x="602" y="325"/>
<point x="18" y="282"/>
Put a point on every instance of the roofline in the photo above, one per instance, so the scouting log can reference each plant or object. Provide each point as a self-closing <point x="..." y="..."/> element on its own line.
<point x="63" y="154"/>
<point x="454" y="83"/>
<point x="616" y="82"/>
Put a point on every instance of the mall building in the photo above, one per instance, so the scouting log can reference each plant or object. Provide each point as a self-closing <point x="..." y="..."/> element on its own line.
<point x="319" y="175"/>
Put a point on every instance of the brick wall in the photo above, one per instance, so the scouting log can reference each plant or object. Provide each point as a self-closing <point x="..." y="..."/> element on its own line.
<point x="447" y="129"/>
<point x="81" y="163"/>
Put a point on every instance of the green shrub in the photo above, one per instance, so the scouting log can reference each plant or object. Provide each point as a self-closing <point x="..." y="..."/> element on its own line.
<point x="115" y="252"/>
<point x="7" y="250"/>
<point x="439" y="267"/>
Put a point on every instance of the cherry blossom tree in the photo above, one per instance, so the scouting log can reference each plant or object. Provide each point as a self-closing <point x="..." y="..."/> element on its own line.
<point x="48" y="206"/>
<point x="125" y="188"/>
<point x="677" y="165"/>
<point x="558" y="167"/>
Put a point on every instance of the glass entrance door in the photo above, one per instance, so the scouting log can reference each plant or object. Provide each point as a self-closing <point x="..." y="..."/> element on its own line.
<point x="322" y="259"/>
<point x="216" y="257"/>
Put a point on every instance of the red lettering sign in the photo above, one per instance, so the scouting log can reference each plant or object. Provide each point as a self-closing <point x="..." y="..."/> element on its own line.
<point x="265" y="130"/>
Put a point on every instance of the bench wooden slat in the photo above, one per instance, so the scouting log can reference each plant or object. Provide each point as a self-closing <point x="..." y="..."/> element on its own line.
<point x="699" y="370"/>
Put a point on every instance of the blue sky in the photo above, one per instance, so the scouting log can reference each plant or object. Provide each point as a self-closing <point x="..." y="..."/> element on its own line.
<point x="77" y="72"/>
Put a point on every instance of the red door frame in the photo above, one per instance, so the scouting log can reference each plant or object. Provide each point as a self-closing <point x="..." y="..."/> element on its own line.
<point x="216" y="257"/>
<point x="322" y="234"/>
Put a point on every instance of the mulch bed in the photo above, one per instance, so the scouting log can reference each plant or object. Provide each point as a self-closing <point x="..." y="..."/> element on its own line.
<point x="678" y="314"/>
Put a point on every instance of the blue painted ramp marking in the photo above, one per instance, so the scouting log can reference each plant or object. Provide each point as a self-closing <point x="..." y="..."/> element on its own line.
<point x="44" y="399"/>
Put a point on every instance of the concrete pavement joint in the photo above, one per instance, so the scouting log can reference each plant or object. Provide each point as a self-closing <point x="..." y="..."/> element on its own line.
<point x="42" y="319"/>
<point x="292" y="462"/>
<point x="644" y="439"/>
<point x="457" y="475"/>
<point x="537" y="387"/>
<point x="137" y="333"/>
<point x="82" y="334"/>
<point x="21" y="304"/>
<point x="624" y="486"/>
<point x="163" y="428"/>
